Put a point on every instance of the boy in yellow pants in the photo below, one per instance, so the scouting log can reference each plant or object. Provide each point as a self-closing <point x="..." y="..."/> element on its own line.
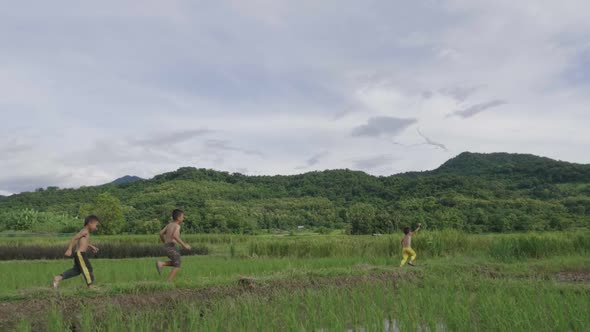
<point x="407" y="250"/>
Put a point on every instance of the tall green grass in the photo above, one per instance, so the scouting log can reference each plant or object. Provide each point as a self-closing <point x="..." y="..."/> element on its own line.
<point x="426" y="244"/>
<point x="436" y="304"/>
<point x="433" y="244"/>
<point x="540" y="246"/>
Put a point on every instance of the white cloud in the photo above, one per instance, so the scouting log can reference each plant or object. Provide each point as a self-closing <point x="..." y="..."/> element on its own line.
<point x="478" y="108"/>
<point x="93" y="91"/>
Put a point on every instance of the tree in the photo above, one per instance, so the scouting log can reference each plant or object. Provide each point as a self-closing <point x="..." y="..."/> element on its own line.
<point x="109" y="210"/>
<point x="152" y="226"/>
<point x="362" y="218"/>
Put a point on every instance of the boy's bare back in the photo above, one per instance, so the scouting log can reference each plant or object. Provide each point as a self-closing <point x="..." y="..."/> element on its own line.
<point x="407" y="241"/>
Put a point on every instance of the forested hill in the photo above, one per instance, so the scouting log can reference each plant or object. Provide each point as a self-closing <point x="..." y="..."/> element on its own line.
<point x="126" y="179"/>
<point x="515" y="166"/>
<point x="474" y="192"/>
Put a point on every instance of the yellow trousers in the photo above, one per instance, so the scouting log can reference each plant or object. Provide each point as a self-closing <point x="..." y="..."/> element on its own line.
<point x="408" y="252"/>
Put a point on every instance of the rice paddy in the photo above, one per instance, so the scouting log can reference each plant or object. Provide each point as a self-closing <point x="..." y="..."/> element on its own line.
<point x="463" y="282"/>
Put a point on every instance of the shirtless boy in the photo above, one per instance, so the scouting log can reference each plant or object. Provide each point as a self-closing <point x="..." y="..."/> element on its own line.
<point x="81" y="262"/>
<point x="170" y="235"/>
<point x="407" y="250"/>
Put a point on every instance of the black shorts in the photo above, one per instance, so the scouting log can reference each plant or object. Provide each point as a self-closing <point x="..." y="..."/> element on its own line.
<point x="173" y="253"/>
<point x="81" y="266"/>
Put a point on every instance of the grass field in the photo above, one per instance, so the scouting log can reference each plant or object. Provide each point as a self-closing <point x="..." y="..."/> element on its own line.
<point x="517" y="282"/>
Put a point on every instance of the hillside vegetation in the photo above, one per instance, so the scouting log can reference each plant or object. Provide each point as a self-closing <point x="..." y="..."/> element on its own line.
<point x="497" y="192"/>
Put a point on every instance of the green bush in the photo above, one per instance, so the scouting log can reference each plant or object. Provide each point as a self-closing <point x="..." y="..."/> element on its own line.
<point x="37" y="222"/>
<point x="145" y="227"/>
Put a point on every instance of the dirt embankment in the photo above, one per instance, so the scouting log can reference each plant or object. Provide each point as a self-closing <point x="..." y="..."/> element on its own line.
<point x="573" y="276"/>
<point x="36" y="309"/>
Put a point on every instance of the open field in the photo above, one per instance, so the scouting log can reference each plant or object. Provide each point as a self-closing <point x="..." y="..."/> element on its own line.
<point x="333" y="283"/>
<point x="347" y="166"/>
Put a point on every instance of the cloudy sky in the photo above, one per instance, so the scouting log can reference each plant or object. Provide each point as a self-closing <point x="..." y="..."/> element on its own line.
<point x="91" y="91"/>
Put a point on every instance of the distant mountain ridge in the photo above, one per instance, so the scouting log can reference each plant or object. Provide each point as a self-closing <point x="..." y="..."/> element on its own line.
<point x="510" y="165"/>
<point x="126" y="179"/>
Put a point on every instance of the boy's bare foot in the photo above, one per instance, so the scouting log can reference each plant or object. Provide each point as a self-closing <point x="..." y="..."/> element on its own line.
<point x="159" y="267"/>
<point x="56" y="280"/>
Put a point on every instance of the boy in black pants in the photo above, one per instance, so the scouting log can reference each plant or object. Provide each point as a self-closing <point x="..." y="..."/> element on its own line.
<point x="81" y="263"/>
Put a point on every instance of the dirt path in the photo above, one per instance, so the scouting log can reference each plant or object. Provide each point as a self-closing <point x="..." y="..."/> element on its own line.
<point x="35" y="310"/>
<point x="573" y="276"/>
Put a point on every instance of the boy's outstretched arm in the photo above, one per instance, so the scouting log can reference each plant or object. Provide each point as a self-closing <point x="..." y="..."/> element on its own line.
<point x="417" y="228"/>
<point x="176" y="236"/>
<point x="73" y="240"/>
<point x="162" y="233"/>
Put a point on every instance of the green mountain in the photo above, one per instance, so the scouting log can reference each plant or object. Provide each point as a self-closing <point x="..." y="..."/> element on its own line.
<point x="515" y="165"/>
<point x="473" y="192"/>
<point x="126" y="179"/>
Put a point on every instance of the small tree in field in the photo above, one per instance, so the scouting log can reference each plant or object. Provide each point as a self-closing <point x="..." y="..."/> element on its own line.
<point x="109" y="210"/>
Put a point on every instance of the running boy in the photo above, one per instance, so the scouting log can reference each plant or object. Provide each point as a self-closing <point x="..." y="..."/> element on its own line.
<point x="81" y="263"/>
<point x="170" y="235"/>
<point x="407" y="250"/>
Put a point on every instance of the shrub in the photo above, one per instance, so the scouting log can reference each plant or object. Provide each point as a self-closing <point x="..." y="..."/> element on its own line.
<point x="39" y="222"/>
